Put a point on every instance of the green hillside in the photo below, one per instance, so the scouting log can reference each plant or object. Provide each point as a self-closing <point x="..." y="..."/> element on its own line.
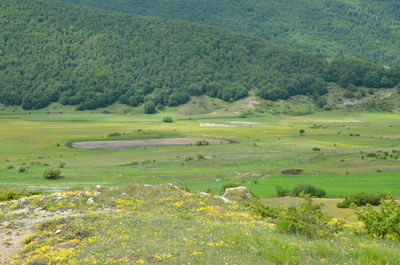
<point x="368" y="28"/>
<point x="53" y="51"/>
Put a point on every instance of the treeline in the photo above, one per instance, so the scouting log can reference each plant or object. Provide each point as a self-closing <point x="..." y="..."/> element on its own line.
<point x="52" y="51"/>
<point x="368" y="28"/>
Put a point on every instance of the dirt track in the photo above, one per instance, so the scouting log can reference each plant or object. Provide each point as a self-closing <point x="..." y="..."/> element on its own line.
<point x="132" y="144"/>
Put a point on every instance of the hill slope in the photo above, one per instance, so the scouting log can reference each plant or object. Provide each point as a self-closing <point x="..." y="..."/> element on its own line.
<point x="53" y="51"/>
<point x="368" y="28"/>
<point x="162" y="225"/>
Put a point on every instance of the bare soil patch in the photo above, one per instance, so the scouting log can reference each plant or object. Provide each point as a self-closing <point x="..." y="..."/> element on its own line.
<point x="132" y="144"/>
<point x="292" y="172"/>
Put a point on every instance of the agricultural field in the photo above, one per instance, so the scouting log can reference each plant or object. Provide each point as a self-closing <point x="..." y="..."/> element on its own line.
<point x="341" y="151"/>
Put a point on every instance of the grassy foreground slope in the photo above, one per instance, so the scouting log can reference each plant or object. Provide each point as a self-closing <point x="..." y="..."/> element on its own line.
<point x="54" y="51"/>
<point x="368" y="28"/>
<point x="164" y="225"/>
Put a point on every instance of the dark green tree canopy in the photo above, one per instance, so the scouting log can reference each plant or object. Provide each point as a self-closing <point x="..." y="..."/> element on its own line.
<point x="367" y="28"/>
<point x="54" y="51"/>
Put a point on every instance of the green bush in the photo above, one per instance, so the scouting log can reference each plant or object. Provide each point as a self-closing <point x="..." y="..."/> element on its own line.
<point x="383" y="223"/>
<point x="12" y="194"/>
<point x="308" y="189"/>
<point x="200" y="156"/>
<point x="202" y="142"/>
<point x="282" y="192"/>
<point x="114" y="134"/>
<point x="168" y="119"/>
<point x="52" y="173"/>
<point x="22" y="169"/>
<point x="306" y="219"/>
<point x="261" y="209"/>
<point x="361" y="199"/>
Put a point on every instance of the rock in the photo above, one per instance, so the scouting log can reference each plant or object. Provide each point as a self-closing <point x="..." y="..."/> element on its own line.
<point x="238" y="193"/>
<point x="90" y="200"/>
<point x="57" y="232"/>
<point x="203" y="194"/>
<point x="222" y="198"/>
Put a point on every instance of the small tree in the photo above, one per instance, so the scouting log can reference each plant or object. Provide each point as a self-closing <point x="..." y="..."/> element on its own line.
<point x="52" y="173"/>
<point x="302" y="131"/>
<point x="149" y="107"/>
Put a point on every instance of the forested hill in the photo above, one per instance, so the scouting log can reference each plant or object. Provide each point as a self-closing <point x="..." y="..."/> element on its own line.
<point x="54" y="51"/>
<point x="368" y="28"/>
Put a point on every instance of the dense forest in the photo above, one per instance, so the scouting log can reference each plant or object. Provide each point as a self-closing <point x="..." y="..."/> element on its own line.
<point x="53" y="51"/>
<point x="367" y="28"/>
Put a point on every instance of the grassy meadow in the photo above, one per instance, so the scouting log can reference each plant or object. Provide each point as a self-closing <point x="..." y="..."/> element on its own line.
<point x="266" y="145"/>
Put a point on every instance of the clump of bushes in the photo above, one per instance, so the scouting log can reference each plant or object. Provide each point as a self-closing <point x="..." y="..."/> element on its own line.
<point x="306" y="219"/>
<point x="114" y="134"/>
<point x="308" y="189"/>
<point x="361" y="199"/>
<point x="317" y="149"/>
<point x="299" y="190"/>
<point x="52" y="173"/>
<point x="282" y="192"/>
<point x="200" y="156"/>
<point x="202" y="142"/>
<point x="12" y="194"/>
<point x="382" y="223"/>
<point x="168" y="119"/>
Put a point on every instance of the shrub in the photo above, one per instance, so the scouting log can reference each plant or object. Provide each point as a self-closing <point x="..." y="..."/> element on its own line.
<point x="282" y="192"/>
<point x="168" y="119"/>
<point x="383" y="223"/>
<point x="200" y="156"/>
<point x="10" y="166"/>
<point x="306" y="219"/>
<point x="202" y="142"/>
<point x="261" y="209"/>
<point x="12" y="194"/>
<point x="317" y="149"/>
<point x="22" y="169"/>
<point x="52" y="173"/>
<point x="308" y="189"/>
<point x="188" y="158"/>
<point x="361" y="199"/>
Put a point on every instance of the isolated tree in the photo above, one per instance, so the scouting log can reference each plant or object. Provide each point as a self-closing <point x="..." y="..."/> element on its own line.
<point x="149" y="107"/>
<point x="302" y="131"/>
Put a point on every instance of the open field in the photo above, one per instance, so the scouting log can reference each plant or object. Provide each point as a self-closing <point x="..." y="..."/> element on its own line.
<point x="266" y="145"/>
